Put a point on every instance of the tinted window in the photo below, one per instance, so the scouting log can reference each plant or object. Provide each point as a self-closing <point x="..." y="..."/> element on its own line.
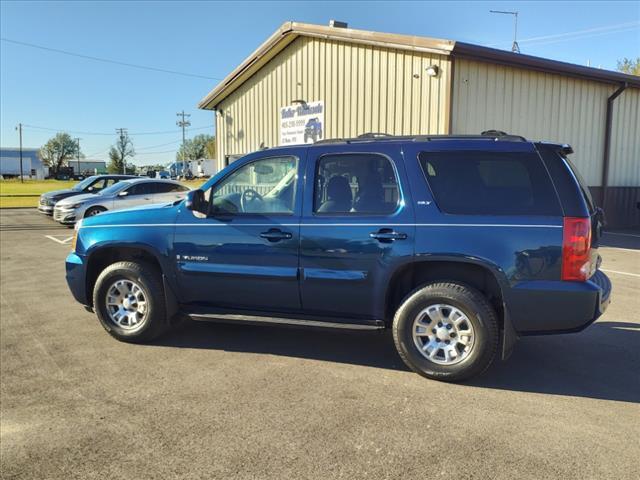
<point x="489" y="183"/>
<point x="263" y="186"/>
<point x="355" y="183"/>
<point x="144" y="188"/>
<point x="163" y="187"/>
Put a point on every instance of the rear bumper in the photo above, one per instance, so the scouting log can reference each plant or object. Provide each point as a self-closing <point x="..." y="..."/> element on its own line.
<point x="546" y="307"/>
<point x="76" y="277"/>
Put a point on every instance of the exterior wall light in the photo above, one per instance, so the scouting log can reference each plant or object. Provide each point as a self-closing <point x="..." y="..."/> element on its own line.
<point x="432" y="70"/>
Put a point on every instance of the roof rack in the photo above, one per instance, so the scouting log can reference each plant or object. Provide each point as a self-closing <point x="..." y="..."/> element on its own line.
<point x="492" y="135"/>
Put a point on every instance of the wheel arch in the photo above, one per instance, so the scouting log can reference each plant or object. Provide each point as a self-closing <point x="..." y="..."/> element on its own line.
<point x="478" y="273"/>
<point x="101" y="256"/>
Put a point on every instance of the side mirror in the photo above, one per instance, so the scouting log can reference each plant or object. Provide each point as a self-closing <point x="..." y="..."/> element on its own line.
<point x="123" y="194"/>
<point x="195" y="201"/>
<point x="90" y="189"/>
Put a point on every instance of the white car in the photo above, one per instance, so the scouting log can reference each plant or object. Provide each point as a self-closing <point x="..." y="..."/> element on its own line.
<point x="124" y="194"/>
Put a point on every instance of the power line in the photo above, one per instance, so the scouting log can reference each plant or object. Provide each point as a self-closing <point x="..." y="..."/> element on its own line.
<point x="159" y="145"/>
<point x="106" y="60"/>
<point x="156" y="153"/>
<point x="578" y="34"/>
<point x="627" y="25"/>
<point x="183" y="124"/>
<point x="78" y="132"/>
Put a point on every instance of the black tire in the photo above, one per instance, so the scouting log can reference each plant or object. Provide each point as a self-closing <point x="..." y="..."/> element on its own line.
<point x="475" y="307"/>
<point x="147" y="277"/>
<point x="94" y="211"/>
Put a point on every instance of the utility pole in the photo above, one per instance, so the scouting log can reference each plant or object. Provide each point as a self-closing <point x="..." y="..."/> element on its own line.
<point x="184" y="124"/>
<point x="19" y="128"/>
<point x="78" y="153"/>
<point x="123" y="133"/>
<point x="515" y="48"/>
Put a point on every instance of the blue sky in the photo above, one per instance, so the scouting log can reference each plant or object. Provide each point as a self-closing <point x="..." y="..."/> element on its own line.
<point x="47" y="89"/>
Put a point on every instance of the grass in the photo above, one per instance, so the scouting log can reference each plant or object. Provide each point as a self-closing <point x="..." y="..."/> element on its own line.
<point x="30" y="191"/>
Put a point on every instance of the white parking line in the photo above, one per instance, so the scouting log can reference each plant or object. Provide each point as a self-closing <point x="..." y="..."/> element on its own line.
<point x="621" y="273"/>
<point x="62" y="242"/>
<point x="618" y="248"/>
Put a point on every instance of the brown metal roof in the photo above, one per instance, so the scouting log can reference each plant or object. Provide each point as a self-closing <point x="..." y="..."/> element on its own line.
<point x="493" y="55"/>
<point x="289" y="31"/>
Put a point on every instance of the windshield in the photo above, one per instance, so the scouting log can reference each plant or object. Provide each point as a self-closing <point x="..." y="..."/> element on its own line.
<point x="78" y="187"/>
<point x="115" y="188"/>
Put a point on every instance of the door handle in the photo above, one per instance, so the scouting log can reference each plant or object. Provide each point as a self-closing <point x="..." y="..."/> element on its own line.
<point x="275" y="235"/>
<point x="387" y="235"/>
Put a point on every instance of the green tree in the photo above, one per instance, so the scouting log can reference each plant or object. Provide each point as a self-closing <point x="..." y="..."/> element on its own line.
<point x="119" y="153"/>
<point x="211" y="147"/>
<point x="629" y="66"/>
<point x="58" y="151"/>
<point x="197" y="148"/>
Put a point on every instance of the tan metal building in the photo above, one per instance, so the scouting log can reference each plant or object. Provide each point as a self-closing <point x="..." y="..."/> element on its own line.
<point x="379" y="82"/>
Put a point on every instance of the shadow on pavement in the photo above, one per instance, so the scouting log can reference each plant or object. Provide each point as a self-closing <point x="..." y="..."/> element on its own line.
<point x="626" y="239"/>
<point x="601" y="363"/>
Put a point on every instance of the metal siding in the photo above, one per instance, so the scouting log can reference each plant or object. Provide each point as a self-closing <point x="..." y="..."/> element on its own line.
<point x="624" y="166"/>
<point x="541" y="106"/>
<point x="365" y="88"/>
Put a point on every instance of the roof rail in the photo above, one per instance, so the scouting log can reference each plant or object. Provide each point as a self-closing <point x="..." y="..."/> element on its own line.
<point x="489" y="135"/>
<point x="503" y="135"/>
<point x="375" y="135"/>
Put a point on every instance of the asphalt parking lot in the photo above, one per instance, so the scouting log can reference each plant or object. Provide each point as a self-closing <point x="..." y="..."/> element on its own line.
<point x="227" y="401"/>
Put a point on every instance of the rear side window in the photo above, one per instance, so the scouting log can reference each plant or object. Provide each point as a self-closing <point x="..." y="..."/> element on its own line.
<point x="144" y="188"/>
<point x="489" y="183"/>
<point x="586" y="193"/>
<point x="355" y="184"/>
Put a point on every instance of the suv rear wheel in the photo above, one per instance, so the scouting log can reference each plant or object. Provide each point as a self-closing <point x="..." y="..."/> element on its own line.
<point x="446" y="331"/>
<point x="129" y="301"/>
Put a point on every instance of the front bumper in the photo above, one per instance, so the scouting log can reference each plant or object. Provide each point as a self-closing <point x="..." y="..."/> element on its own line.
<point x="46" y="209"/>
<point x="545" y="307"/>
<point x="76" y="277"/>
<point x="66" y="217"/>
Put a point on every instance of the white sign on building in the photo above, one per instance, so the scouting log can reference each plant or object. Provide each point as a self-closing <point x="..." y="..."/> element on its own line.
<point x="302" y="123"/>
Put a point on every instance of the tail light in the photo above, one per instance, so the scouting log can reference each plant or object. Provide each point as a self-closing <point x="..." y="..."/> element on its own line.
<point x="576" y="247"/>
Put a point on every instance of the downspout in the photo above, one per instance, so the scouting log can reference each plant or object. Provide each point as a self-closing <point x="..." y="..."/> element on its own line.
<point x="607" y="141"/>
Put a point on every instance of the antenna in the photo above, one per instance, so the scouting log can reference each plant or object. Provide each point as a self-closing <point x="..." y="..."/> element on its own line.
<point x="515" y="48"/>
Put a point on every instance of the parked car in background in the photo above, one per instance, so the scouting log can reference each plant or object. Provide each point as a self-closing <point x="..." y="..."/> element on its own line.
<point x="93" y="184"/>
<point x="124" y="194"/>
<point x="457" y="244"/>
<point x="163" y="174"/>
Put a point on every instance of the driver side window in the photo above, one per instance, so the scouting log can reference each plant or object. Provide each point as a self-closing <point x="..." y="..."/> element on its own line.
<point x="265" y="186"/>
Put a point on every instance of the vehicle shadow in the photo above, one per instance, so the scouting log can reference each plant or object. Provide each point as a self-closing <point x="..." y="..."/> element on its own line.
<point x="601" y="363"/>
<point x="628" y="240"/>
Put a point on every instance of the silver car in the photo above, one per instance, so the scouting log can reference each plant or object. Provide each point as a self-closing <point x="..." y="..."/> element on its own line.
<point x="124" y="194"/>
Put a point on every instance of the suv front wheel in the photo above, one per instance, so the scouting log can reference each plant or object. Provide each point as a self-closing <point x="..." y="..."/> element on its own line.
<point x="446" y="331"/>
<point x="129" y="301"/>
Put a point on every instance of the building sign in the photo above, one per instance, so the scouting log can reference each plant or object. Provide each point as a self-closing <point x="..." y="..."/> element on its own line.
<point x="302" y="123"/>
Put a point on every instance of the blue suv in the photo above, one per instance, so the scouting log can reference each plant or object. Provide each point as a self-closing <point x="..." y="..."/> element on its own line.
<point x="458" y="244"/>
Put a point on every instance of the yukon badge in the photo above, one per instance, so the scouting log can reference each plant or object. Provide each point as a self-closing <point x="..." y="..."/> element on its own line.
<point x="193" y="258"/>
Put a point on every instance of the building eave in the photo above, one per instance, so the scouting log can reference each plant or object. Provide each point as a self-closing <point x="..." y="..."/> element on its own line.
<point x="289" y="31"/>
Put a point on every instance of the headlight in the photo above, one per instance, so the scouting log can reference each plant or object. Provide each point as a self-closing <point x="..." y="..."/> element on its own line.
<point x="73" y="207"/>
